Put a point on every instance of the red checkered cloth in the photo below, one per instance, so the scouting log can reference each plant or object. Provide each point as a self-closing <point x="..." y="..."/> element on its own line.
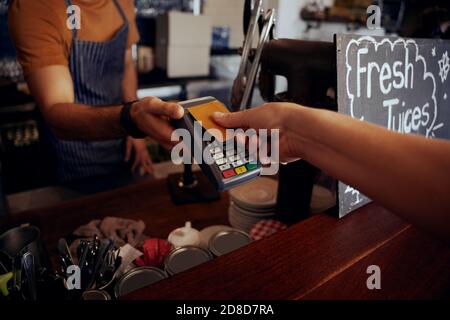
<point x="265" y="228"/>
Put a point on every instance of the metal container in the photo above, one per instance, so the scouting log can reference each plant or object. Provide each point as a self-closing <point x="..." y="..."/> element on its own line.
<point x="227" y="241"/>
<point x="15" y="242"/>
<point x="95" y="295"/>
<point x="138" y="278"/>
<point x="184" y="258"/>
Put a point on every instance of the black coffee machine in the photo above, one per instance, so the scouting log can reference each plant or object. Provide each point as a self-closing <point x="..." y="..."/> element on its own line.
<point x="310" y="70"/>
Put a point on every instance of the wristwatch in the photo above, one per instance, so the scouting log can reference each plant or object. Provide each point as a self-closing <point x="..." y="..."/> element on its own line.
<point x="127" y="122"/>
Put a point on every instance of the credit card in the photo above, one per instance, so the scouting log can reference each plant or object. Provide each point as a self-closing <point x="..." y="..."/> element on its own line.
<point x="204" y="114"/>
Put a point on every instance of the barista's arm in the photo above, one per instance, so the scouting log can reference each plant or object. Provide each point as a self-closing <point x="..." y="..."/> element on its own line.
<point x="407" y="174"/>
<point x="52" y="89"/>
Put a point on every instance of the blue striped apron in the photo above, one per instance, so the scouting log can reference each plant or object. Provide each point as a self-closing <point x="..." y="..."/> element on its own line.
<point x="97" y="71"/>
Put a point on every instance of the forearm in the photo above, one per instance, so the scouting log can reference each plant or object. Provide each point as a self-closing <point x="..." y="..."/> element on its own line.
<point x="74" y="121"/>
<point x="52" y="89"/>
<point x="69" y="121"/>
<point x="407" y="174"/>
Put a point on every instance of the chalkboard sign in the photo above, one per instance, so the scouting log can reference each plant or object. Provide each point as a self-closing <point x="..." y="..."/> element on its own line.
<point x="401" y="84"/>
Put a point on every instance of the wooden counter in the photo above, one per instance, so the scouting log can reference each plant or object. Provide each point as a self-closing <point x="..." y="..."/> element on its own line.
<point x="319" y="258"/>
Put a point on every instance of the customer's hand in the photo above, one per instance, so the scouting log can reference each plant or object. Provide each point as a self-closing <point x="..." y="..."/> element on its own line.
<point x="152" y="115"/>
<point x="142" y="159"/>
<point x="268" y="116"/>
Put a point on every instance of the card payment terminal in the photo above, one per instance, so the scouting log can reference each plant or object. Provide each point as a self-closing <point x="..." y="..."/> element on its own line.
<point x="230" y="162"/>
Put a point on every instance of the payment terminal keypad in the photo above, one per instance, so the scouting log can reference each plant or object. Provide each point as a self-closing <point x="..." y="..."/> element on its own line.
<point x="232" y="160"/>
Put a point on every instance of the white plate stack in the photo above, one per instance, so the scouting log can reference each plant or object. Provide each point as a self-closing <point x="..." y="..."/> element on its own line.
<point x="252" y="202"/>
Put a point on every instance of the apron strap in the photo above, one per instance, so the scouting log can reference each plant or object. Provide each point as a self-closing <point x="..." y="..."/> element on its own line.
<point x="122" y="13"/>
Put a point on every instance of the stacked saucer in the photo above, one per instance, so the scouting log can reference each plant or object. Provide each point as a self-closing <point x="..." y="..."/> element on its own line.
<point x="252" y="202"/>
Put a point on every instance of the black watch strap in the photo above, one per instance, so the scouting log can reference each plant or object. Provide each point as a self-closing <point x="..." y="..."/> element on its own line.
<point x="128" y="124"/>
